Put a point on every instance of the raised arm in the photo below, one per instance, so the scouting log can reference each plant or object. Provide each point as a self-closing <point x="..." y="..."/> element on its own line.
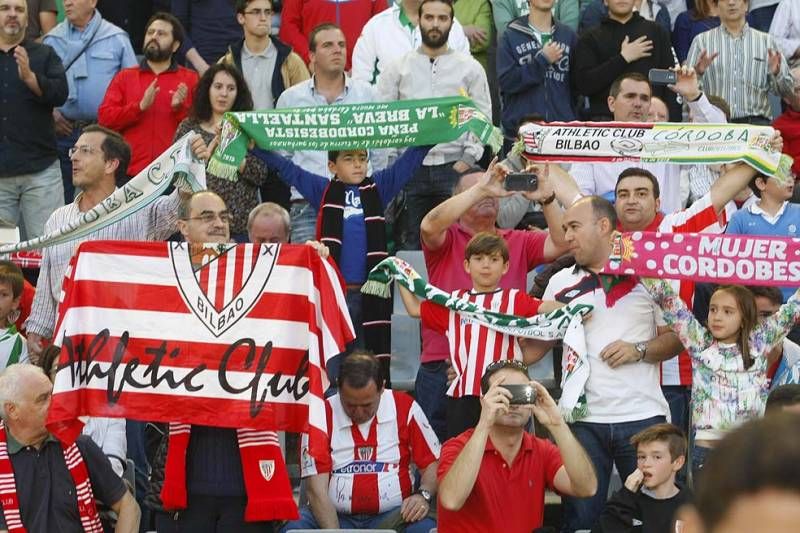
<point x="410" y="301"/>
<point x="773" y="328"/>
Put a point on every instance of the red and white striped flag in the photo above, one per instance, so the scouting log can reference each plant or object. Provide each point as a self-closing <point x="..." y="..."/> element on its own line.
<point x="239" y="342"/>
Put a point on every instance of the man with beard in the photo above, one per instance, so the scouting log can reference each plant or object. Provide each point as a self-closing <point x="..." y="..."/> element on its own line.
<point x="33" y="84"/>
<point x="435" y="70"/>
<point x="146" y="103"/>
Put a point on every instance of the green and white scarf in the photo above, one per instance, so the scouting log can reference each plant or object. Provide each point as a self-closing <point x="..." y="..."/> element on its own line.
<point x="565" y="323"/>
<point x="341" y="127"/>
<point x="176" y="165"/>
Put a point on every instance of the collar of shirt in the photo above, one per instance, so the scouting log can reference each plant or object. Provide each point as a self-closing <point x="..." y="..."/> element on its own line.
<point x="14" y="446"/>
<point x="384" y="413"/>
<point x="745" y="30"/>
<point x="404" y="20"/>
<point x="313" y="85"/>
<point x="755" y="209"/>
<point x="527" y="445"/>
<point x="173" y="65"/>
<point x="265" y="53"/>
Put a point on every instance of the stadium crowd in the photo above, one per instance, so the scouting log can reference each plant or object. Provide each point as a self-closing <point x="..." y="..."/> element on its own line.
<point x="691" y="387"/>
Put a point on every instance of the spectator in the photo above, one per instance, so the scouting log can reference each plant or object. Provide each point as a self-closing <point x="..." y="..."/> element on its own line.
<point x="93" y="51"/>
<point x="651" y="10"/>
<point x="751" y="482"/>
<point x="788" y="123"/>
<point x="51" y="497"/>
<point x="474" y="346"/>
<point x="533" y="68"/>
<point x="729" y="377"/>
<point x="25" y="300"/>
<point x="350" y="223"/>
<point x="268" y="223"/>
<point x="268" y="65"/>
<point x="658" y="110"/>
<point x="568" y="12"/>
<point x="33" y="84"/>
<point x="328" y="86"/>
<point x="785" y="29"/>
<point x="393" y="33"/>
<point x="203" y="481"/>
<point x="624" y="42"/>
<point x="475" y="17"/>
<point x="107" y="433"/>
<point x="783" y="398"/>
<point x="740" y="64"/>
<point x="222" y="89"/>
<point x="504" y="11"/>
<point x="650" y="496"/>
<point x="366" y="481"/>
<point x="772" y="214"/>
<point x="486" y="473"/>
<point x="702" y="17"/>
<point x="13" y="348"/>
<point x="783" y="360"/>
<point x="146" y="103"/>
<point x="761" y="12"/>
<point x="300" y="17"/>
<point x="41" y="18"/>
<point x="430" y="71"/>
<point x="445" y="232"/>
<point x="625" y="341"/>
<point x="210" y="26"/>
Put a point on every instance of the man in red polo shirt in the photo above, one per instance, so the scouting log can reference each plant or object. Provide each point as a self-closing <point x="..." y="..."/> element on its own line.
<point x="493" y="477"/>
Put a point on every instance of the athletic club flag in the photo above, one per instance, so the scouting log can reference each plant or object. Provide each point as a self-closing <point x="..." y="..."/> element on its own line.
<point x="239" y="342"/>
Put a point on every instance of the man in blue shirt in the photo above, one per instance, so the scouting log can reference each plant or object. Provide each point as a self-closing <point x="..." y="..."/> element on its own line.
<point x="93" y="50"/>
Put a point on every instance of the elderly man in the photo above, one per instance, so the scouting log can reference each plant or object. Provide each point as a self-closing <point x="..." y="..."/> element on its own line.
<point x="47" y="485"/>
<point x="625" y="339"/>
<point x="498" y="462"/>
<point x="366" y="481"/>
<point x="445" y="231"/>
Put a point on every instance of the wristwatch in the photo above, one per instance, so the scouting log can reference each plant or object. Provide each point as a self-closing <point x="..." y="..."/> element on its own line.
<point x="425" y="494"/>
<point x="641" y="347"/>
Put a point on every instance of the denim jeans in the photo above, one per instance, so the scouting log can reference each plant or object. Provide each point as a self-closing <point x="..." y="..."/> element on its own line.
<point x="430" y="390"/>
<point x="679" y="399"/>
<point x="429" y="187"/>
<point x="346" y="521"/>
<point x="32" y="197"/>
<point x="607" y="445"/>
<point x="699" y="457"/>
<point x="304" y="222"/>
<point x="63" y="144"/>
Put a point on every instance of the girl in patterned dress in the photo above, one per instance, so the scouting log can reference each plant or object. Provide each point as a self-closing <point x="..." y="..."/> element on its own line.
<point x="729" y="358"/>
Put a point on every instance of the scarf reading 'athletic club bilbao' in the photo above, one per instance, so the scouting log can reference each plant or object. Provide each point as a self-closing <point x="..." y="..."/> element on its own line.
<point x="240" y="342"/>
<point x="654" y="143"/>
<point x="341" y="127"/>
<point x="565" y="323"/>
<point x="177" y="165"/>
<point x="90" y="518"/>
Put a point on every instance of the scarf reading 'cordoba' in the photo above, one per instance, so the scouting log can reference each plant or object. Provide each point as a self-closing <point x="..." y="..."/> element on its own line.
<point x="565" y="323"/>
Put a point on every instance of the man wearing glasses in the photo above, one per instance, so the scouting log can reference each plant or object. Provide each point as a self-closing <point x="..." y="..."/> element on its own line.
<point x="269" y="66"/>
<point x="486" y="472"/>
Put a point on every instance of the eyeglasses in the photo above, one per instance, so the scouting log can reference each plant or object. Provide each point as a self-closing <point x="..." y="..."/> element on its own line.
<point x="209" y="218"/>
<point x="260" y="12"/>
<point x="83" y="149"/>
<point x="506" y="363"/>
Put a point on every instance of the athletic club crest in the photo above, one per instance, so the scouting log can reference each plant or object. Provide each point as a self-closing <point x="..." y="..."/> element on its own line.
<point x="220" y="283"/>
<point x="532" y="138"/>
<point x="366" y="453"/>
<point x="267" y="467"/>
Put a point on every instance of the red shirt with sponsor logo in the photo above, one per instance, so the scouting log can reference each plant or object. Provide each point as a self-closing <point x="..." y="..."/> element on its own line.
<point x="370" y="464"/>
<point x="700" y="217"/>
<point x="507" y="498"/>
<point x="474" y="346"/>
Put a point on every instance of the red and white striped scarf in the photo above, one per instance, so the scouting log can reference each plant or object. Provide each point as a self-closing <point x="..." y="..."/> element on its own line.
<point x="269" y="493"/>
<point x="90" y="519"/>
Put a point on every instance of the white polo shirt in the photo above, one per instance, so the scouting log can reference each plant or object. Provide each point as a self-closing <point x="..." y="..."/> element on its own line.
<point x="629" y="392"/>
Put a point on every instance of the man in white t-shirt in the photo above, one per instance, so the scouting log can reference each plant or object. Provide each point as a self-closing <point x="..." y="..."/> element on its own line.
<point x="626" y="338"/>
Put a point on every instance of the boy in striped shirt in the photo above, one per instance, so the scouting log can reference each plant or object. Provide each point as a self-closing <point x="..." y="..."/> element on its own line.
<point x="474" y="346"/>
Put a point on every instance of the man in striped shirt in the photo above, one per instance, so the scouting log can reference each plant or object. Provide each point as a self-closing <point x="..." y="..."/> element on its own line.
<point x="741" y="64"/>
<point x="374" y="435"/>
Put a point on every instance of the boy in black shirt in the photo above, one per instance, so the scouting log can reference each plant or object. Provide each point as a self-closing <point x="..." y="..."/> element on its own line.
<point x="648" y="501"/>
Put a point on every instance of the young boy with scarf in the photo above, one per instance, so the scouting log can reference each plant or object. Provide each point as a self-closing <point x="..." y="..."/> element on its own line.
<point x="351" y="224"/>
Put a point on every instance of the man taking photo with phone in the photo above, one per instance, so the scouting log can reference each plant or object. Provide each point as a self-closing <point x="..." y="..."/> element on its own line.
<point x="499" y="461"/>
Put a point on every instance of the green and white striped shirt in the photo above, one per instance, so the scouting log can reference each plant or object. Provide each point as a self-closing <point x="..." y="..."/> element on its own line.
<point x="13" y="348"/>
<point x="740" y="74"/>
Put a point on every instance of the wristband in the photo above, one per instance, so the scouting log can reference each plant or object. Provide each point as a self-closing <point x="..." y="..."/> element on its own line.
<point x="549" y="200"/>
